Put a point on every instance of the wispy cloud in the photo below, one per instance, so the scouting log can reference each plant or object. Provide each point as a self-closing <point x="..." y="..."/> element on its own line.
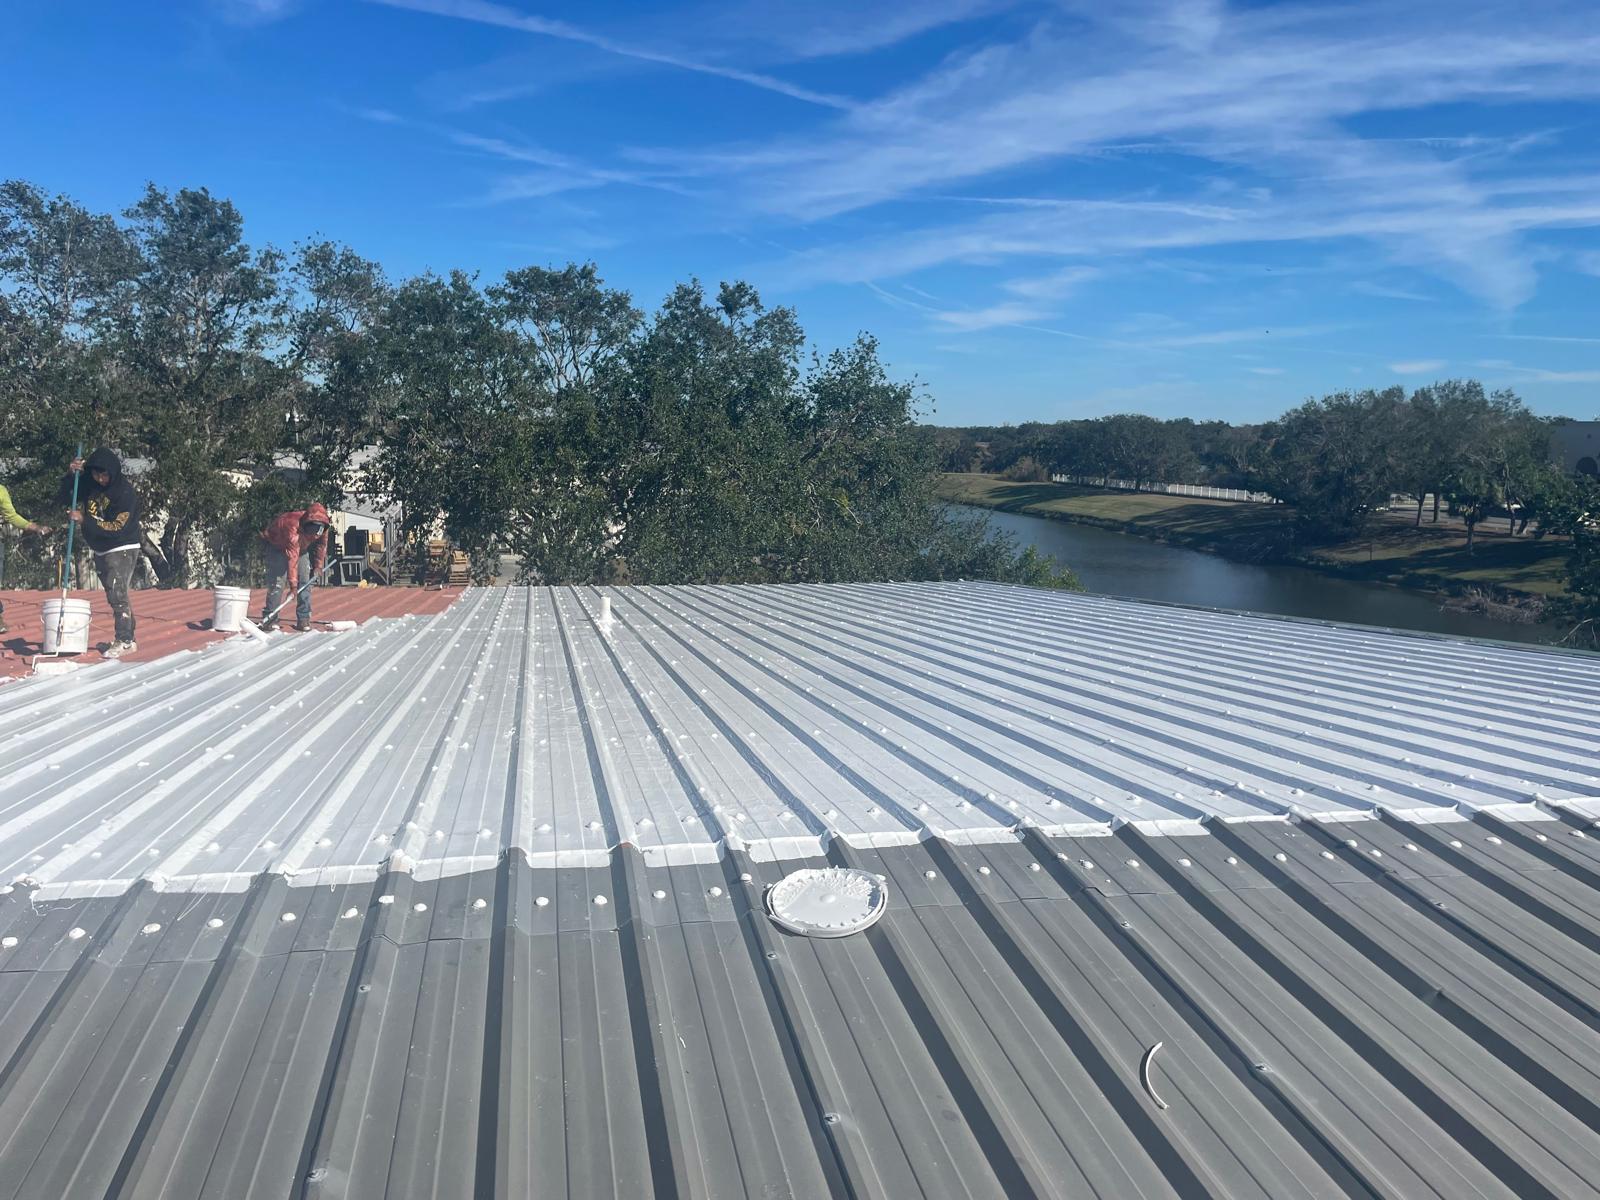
<point x="1543" y="337"/>
<point x="557" y="172"/>
<point x="1387" y="292"/>
<point x="1506" y="372"/>
<point x="1230" y="337"/>
<point x="255" y="12"/>
<point x="1420" y="366"/>
<point x="1265" y="370"/>
<point x="1267" y="94"/>
<point x="484" y="12"/>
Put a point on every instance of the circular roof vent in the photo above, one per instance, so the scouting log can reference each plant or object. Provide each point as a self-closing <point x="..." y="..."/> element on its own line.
<point x="832" y="902"/>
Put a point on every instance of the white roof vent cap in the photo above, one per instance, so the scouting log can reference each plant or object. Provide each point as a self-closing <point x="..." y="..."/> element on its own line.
<point x="830" y="902"/>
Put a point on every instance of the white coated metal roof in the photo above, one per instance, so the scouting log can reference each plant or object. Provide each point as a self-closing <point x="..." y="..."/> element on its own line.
<point x="764" y="718"/>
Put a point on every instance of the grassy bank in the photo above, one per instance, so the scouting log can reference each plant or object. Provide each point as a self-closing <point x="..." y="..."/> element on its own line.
<point x="1429" y="557"/>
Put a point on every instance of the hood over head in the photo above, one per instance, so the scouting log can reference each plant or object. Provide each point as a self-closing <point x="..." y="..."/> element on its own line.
<point x="105" y="460"/>
<point x="316" y="513"/>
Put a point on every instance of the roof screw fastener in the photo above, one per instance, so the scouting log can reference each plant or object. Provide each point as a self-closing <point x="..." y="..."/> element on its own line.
<point x="831" y="1118"/>
<point x="772" y="956"/>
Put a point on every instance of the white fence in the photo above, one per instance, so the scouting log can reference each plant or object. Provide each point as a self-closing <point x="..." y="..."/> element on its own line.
<point x="1167" y="489"/>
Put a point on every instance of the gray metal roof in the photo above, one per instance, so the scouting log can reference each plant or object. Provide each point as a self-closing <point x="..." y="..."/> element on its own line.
<point x="277" y="924"/>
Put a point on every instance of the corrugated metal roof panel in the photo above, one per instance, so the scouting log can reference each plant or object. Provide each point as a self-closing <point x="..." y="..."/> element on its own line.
<point x="406" y="1037"/>
<point x="773" y="718"/>
<point x="472" y="904"/>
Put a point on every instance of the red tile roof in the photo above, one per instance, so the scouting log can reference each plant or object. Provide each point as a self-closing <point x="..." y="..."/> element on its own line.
<point x="180" y="619"/>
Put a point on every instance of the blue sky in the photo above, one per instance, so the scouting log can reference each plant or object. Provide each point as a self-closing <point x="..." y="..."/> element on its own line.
<point x="1042" y="210"/>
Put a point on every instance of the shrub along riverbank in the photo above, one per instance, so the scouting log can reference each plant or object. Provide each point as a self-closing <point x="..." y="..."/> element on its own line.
<point x="1506" y="576"/>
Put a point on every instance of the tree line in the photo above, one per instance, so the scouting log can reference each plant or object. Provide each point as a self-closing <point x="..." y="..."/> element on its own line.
<point x="541" y="414"/>
<point x="1337" y="459"/>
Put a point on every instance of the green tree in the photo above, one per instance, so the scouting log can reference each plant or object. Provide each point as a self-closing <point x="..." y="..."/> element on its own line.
<point x="1334" y="460"/>
<point x="190" y="332"/>
<point x="1570" y="505"/>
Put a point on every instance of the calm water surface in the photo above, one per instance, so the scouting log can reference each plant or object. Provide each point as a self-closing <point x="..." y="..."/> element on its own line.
<point x="1121" y="565"/>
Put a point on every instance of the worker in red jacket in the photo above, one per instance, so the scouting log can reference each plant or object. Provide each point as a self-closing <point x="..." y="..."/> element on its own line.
<point x="297" y="546"/>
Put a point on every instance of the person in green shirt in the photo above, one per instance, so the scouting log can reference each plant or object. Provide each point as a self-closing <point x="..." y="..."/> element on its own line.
<point x="12" y="519"/>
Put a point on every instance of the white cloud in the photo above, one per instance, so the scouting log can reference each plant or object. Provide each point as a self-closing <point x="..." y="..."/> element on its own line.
<point x="485" y="12"/>
<point x="1053" y="286"/>
<point x="1265" y="370"/>
<point x="1514" y="373"/>
<point x="1588" y="263"/>
<point x="557" y="172"/>
<point x="1264" y="93"/>
<point x="1386" y="292"/>
<point x="256" y="12"/>
<point x="1421" y="366"/>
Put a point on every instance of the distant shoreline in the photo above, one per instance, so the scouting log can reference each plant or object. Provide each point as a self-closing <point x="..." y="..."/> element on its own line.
<point x="1506" y="578"/>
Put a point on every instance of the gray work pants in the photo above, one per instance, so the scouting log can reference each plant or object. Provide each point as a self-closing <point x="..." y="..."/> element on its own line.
<point x="278" y="580"/>
<point x="116" y="574"/>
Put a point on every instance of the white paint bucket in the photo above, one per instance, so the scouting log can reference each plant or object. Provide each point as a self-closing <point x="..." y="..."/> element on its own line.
<point x="71" y="619"/>
<point x="230" y="607"/>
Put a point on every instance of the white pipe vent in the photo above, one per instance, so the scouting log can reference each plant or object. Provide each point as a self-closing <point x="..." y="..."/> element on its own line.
<point x="831" y="902"/>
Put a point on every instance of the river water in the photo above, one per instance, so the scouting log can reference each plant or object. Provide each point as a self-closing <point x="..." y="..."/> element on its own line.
<point x="1119" y="564"/>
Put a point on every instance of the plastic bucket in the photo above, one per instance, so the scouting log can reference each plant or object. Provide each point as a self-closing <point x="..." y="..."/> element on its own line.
<point x="71" y="619"/>
<point x="230" y="607"/>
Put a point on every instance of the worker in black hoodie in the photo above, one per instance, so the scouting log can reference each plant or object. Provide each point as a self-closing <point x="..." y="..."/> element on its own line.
<point x="108" y="510"/>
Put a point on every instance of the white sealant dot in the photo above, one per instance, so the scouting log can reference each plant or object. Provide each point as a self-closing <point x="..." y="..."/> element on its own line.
<point x="480" y="903"/>
<point x="419" y="907"/>
<point x="7" y="942"/>
<point x="660" y="895"/>
<point x="214" y="923"/>
<point x="287" y="917"/>
<point x="601" y="901"/>
<point x="542" y="901"/>
<point x="930" y="874"/>
<point x="716" y="891"/>
<point x="75" y="933"/>
<point x="153" y="927"/>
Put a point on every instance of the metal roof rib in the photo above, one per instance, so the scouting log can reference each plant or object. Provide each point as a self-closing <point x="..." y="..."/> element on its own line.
<point x="472" y="903"/>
